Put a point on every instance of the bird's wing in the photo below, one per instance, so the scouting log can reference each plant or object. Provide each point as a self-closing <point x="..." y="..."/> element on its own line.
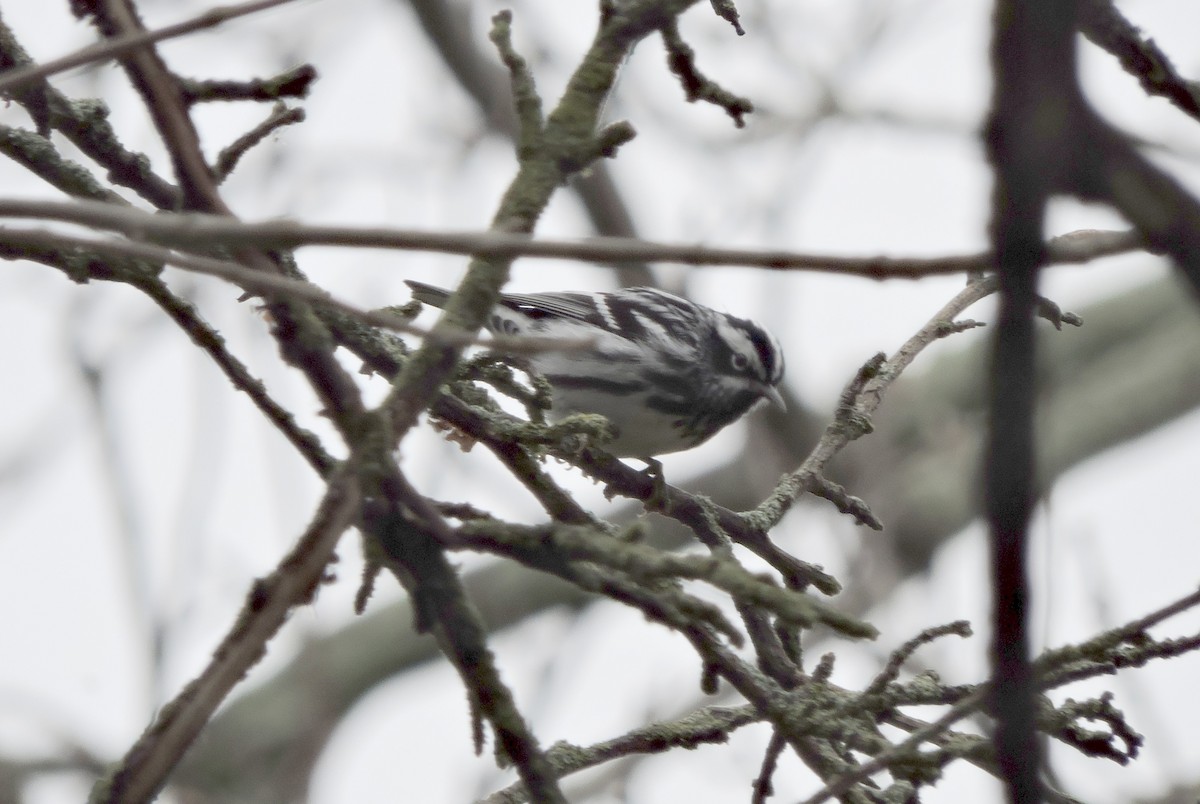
<point x="577" y="306"/>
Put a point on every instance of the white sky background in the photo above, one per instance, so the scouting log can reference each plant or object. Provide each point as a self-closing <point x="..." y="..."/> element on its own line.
<point x="390" y="140"/>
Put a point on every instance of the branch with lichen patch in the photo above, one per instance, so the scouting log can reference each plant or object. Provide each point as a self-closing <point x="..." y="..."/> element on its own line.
<point x="712" y="724"/>
<point x="864" y="394"/>
<point x="647" y="564"/>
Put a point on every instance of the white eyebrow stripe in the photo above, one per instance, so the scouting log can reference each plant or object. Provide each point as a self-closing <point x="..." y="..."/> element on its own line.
<point x="735" y="337"/>
<point x="601" y="302"/>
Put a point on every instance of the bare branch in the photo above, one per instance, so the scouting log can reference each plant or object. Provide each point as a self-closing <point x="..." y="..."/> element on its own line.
<point x="712" y="724"/>
<point x="143" y="771"/>
<point x="118" y="46"/>
<point x="1126" y="637"/>
<point x="163" y="98"/>
<point x="1102" y="23"/>
<point x="230" y="155"/>
<point x="297" y="289"/>
<point x="196" y="230"/>
<point x="294" y="83"/>
<point x="860" y="400"/>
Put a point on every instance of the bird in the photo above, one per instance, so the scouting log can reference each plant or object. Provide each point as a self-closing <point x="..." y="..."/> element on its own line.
<point x="667" y="373"/>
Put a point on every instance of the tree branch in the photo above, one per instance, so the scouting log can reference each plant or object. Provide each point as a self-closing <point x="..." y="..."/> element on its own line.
<point x="198" y="231"/>
<point x="144" y="770"/>
<point x="121" y="45"/>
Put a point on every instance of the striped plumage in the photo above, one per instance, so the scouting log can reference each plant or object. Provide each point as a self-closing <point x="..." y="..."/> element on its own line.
<point x="667" y="373"/>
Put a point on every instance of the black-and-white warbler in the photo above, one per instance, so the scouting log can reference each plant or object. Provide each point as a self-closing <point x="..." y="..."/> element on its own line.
<point x="667" y="373"/>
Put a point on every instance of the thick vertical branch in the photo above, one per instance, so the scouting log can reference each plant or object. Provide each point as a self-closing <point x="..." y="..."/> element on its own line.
<point x="1009" y="489"/>
<point x="1034" y="106"/>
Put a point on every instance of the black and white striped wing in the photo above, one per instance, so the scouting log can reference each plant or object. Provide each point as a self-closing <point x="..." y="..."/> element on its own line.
<point x="576" y="306"/>
<point x="521" y="312"/>
<point x="636" y="314"/>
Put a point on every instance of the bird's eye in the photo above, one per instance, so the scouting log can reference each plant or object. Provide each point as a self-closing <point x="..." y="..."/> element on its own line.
<point x="740" y="362"/>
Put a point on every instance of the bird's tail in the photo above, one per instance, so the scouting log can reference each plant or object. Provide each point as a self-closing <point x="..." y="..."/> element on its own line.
<point x="428" y="294"/>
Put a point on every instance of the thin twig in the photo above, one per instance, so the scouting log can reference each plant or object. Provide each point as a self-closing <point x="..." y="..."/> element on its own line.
<point x="1102" y="23"/>
<point x="687" y="509"/>
<point x="881" y="761"/>
<point x="964" y="707"/>
<point x="1106" y="641"/>
<point x="644" y="563"/>
<point x="209" y="230"/>
<point x="248" y="278"/>
<point x="209" y="341"/>
<point x="163" y="99"/>
<point x="859" y="402"/>
<point x="712" y="724"/>
<point x="102" y="51"/>
<point x="293" y="83"/>
<point x="231" y="154"/>
<point x="85" y="124"/>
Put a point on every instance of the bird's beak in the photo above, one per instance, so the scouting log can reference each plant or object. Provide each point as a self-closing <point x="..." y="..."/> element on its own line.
<point x="772" y="393"/>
